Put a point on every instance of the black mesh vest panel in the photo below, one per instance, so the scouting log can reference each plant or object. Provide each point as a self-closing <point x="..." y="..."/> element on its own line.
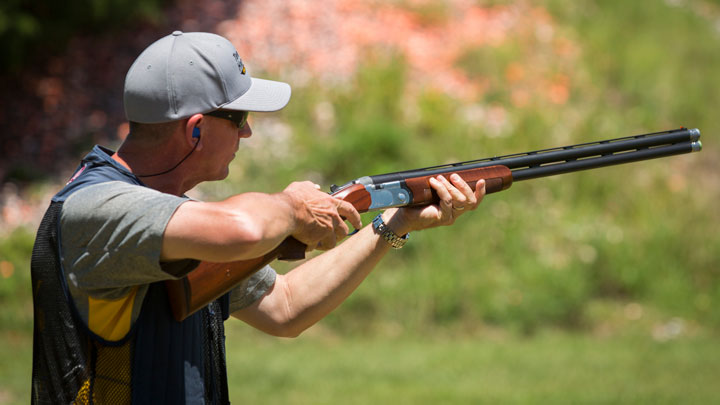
<point x="60" y="347"/>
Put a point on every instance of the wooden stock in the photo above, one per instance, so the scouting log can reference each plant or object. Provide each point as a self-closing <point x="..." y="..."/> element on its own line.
<point x="209" y="281"/>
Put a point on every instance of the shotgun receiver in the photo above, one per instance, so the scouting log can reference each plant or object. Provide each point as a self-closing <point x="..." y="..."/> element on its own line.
<point x="210" y="281"/>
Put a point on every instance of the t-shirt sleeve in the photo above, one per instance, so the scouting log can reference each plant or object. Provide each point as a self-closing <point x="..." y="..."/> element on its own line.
<point x="252" y="289"/>
<point x="111" y="236"/>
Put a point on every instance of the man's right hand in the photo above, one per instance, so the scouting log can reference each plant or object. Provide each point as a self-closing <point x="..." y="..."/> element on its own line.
<point x="319" y="217"/>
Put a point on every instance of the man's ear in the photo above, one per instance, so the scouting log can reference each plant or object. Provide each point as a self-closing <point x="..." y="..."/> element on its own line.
<point x="193" y="131"/>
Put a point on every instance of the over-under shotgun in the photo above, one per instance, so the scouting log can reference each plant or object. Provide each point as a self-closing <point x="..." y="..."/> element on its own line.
<point x="210" y="281"/>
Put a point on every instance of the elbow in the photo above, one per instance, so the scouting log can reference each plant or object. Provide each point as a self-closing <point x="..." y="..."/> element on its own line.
<point x="287" y="322"/>
<point x="277" y="329"/>
<point x="287" y="331"/>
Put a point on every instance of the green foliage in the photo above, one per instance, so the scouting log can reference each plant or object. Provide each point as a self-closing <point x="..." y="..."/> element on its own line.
<point x="541" y="253"/>
<point x="15" y="293"/>
<point x="29" y="30"/>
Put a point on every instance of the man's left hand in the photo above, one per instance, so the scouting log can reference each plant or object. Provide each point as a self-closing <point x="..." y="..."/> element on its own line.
<point x="456" y="198"/>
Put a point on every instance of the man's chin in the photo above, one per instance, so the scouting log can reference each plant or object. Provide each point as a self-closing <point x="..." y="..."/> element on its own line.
<point x="225" y="174"/>
<point x="218" y="176"/>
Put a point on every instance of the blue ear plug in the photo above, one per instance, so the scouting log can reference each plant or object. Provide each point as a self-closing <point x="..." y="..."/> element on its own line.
<point x="196" y="132"/>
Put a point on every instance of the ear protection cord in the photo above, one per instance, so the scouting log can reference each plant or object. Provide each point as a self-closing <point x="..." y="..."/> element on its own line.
<point x="195" y="135"/>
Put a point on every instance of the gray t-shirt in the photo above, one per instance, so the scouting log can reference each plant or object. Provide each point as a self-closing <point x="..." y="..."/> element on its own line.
<point x="111" y="240"/>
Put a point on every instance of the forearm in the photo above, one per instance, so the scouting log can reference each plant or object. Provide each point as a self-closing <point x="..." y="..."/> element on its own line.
<point x="249" y="225"/>
<point x="312" y="290"/>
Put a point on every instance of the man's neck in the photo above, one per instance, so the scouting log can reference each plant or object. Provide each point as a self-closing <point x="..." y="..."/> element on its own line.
<point x="142" y="163"/>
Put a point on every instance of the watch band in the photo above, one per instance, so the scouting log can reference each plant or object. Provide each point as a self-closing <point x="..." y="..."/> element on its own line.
<point x="386" y="233"/>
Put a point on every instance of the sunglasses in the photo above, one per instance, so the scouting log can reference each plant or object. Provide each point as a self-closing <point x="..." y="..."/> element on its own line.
<point x="238" y="117"/>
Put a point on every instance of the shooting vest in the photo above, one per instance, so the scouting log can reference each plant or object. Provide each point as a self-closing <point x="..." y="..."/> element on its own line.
<point x="159" y="361"/>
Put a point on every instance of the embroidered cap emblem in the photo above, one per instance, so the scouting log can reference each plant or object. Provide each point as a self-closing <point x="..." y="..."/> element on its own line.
<point x="240" y="64"/>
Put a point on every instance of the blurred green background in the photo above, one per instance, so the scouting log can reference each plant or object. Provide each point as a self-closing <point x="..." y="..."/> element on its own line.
<point x="598" y="287"/>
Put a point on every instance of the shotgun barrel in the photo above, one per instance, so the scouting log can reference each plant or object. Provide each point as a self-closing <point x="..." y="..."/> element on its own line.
<point x="565" y="159"/>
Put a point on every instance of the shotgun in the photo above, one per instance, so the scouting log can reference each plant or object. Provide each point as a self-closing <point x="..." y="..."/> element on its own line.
<point x="210" y="281"/>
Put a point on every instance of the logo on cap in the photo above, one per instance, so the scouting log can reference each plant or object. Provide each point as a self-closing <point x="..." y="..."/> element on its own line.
<point x="240" y="64"/>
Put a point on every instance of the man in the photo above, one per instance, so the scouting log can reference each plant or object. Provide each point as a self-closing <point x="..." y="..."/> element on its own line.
<point x="104" y="331"/>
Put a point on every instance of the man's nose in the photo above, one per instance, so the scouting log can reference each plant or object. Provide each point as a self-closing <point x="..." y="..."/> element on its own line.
<point x="245" y="131"/>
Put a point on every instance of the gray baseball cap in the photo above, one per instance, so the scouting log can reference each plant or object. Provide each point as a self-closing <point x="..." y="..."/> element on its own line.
<point x="194" y="73"/>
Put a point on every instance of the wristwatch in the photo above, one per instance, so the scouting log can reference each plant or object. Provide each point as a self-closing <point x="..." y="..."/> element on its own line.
<point x="386" y="233"/>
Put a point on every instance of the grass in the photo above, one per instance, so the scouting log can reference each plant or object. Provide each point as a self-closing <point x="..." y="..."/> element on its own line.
<point x="492" y="367"/>
<point x="549" y="368"/>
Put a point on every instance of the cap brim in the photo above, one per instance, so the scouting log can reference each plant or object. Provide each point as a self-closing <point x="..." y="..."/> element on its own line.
<point x="263" y="95"/>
